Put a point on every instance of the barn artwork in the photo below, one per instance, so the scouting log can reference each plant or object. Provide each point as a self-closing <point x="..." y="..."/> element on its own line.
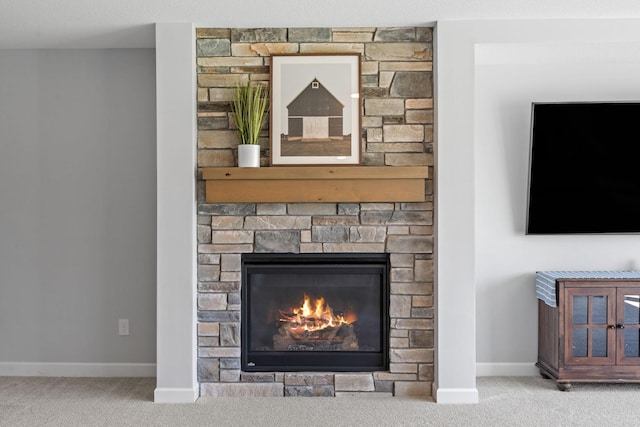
<point x="315" y="114"/>
<point x="315" y="110"/>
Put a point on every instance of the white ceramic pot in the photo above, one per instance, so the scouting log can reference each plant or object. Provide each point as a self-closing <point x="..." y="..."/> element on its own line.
<point x="249" y="156"/>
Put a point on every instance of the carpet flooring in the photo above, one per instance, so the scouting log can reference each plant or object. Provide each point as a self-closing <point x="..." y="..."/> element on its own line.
<point x="504" y="401"/>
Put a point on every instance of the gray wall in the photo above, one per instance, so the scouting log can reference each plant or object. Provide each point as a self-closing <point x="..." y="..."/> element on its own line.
<point x="77" y="205"/>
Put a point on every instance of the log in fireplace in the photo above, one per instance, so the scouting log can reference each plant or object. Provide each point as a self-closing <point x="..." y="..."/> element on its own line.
<point x="315" y="312"/>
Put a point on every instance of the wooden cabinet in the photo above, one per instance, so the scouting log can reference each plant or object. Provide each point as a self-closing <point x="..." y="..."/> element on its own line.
<point x="593" y="335"/>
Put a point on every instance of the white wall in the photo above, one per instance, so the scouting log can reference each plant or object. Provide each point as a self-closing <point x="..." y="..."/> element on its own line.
<point x="77" y="212"/>
<point x="513" y="63"/>
<point x="455" y="379"/>
<point x="176" y="210"/>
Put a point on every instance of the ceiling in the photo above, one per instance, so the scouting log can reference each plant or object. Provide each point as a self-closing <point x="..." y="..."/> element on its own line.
<point x="45" y="24"/>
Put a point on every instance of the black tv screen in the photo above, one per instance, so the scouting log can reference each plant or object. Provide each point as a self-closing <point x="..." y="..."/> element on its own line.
<point x="584" y="168"/>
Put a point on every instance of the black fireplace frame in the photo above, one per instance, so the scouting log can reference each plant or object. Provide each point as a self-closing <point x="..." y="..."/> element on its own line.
<point x="318" y="361"/>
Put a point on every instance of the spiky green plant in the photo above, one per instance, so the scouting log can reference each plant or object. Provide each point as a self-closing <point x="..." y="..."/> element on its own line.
<point x="250" y="105"/>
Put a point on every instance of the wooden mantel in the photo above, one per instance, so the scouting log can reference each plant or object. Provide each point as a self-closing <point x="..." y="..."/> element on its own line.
<point x="316" y="184"/>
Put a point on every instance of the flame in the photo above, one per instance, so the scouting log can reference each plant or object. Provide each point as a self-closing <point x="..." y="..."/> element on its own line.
<point x="314" y="317"/>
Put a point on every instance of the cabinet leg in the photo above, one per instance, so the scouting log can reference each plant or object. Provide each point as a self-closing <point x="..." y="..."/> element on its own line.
<point x="563" y="386"/>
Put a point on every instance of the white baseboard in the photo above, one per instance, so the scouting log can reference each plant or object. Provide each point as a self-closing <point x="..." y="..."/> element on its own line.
<point x="40" y="369"/>
<point x="506" y="369"/>
<point x="456" y="395"/>
<point x="176" y="395"/>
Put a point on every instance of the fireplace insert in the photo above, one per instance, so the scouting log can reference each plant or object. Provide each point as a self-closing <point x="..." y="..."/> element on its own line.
<point x="315" y="312"/>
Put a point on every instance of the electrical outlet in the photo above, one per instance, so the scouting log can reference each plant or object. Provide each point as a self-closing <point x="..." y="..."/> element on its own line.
<point x="123" y="327"/>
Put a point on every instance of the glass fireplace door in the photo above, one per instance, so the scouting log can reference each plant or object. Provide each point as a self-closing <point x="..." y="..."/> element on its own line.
<point x="315" y="312"/>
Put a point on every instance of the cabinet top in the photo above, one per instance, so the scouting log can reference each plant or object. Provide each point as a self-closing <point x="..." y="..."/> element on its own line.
<point x="546" y="281"/>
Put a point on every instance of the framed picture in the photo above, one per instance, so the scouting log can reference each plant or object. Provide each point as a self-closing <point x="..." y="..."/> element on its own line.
<point x="315" y="110"/>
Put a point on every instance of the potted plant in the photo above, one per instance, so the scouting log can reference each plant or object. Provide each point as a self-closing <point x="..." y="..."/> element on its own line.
<point x="249" y="106"/>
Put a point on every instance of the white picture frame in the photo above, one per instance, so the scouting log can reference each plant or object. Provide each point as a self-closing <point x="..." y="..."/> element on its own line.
<point x="315" y="110"/>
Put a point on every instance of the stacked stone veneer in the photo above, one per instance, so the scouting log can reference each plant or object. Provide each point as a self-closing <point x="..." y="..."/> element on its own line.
<point x="397" y="120"/>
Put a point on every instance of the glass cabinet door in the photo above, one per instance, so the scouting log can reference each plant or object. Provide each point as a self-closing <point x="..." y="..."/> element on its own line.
<point x="590" y="326"/>
<point x="628" y="326"/>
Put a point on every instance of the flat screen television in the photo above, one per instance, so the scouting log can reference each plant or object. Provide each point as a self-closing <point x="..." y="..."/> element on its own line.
<point x="584" y="168"/>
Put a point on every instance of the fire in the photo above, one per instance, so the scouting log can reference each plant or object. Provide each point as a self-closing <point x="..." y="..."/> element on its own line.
<point x="314" y="317"/>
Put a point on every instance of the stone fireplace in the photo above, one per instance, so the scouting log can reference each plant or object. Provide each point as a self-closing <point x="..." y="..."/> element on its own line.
<point x="397" y="120"/>
<point x="398" y="229"/>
